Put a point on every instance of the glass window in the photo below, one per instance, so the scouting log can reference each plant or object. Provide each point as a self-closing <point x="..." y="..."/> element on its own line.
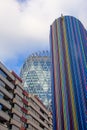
<point x="3" y="74"/>
<point x="2" y="84"/>
<point x="1" y="96"/>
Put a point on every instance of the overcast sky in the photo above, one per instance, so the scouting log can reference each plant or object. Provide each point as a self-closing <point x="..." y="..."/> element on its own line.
<point x="25" y="26"/>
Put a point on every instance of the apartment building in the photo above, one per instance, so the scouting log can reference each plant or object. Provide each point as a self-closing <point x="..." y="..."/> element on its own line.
<point x="38" y="117"/>
<point x="18" y="109"/>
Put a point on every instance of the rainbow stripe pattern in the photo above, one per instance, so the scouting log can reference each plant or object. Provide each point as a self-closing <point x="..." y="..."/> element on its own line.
<point x="68" y="41"/>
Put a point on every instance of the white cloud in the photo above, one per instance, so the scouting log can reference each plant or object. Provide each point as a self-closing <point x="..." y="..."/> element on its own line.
<point x="25" y="26"/>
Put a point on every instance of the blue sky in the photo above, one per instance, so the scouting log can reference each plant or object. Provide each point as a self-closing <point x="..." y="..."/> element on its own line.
<point x="25" y="26"/>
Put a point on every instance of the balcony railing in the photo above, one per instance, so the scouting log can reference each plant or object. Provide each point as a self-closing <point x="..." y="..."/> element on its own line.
<point x="25" y="93"/>
<point x="2" y="127"/>
<point x="16" y="123"/>
<point x="24" y="119"/>
<point x="17" y="102"/>
<point x="24" y="110"/>
<point x="17" y="112"/>
<point x="10" y="85"/>
<point x="25" y="101"/>
<point x="5" y="103"/>
<point x="4" y="115"/>
<point x="4" y="91"/>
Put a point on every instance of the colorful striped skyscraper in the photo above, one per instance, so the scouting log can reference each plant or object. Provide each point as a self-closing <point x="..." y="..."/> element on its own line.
<point x="69" y="74"/>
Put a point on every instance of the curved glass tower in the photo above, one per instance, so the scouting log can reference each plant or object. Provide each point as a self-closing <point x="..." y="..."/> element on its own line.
<point x="35" y="74"/>
<point x="69" y="69"/>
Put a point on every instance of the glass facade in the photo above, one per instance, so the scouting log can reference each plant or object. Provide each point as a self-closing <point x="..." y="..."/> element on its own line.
<point x="35" y="74"/>
<point x="69" y="74"/>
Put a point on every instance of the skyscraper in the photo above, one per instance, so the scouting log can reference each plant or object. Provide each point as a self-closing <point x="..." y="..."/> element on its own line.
<point x="69" y="73"/>
<point x="35" y="73"/>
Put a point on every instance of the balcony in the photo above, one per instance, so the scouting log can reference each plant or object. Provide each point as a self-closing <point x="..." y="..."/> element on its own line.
<point x="4" y="115"/>
<point x="38" y="119"/>
<point x="34" y="125"/>
<point x="6" y="71"/>
<point x="38" y="111"/>
<point x="10" y="85"/>
<point x="40" y="104"/>
<point x="4" y="91"/>
<point x="16" y="76"/>
<point x="2" y="127"/>
<point x="19" y="84"/>
<point x="17" y="102"/>
<point x="23" y="119"/>
<point x="18" y="93"/>
<point x="5" y="103"/>
<point x="25" y="93"/>
<point x="16" y="123"/>
<point x="16" y="112"/>
<point x="24" y="110"/>
<point x="25" y="101"/>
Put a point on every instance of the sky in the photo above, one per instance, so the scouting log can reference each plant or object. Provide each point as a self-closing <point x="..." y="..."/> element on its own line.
<point x="25" y="26"/>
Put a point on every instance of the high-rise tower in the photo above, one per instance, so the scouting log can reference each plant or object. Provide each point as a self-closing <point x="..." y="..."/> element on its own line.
<point x="69" y="69"/>
<point x="35" y="74"/>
